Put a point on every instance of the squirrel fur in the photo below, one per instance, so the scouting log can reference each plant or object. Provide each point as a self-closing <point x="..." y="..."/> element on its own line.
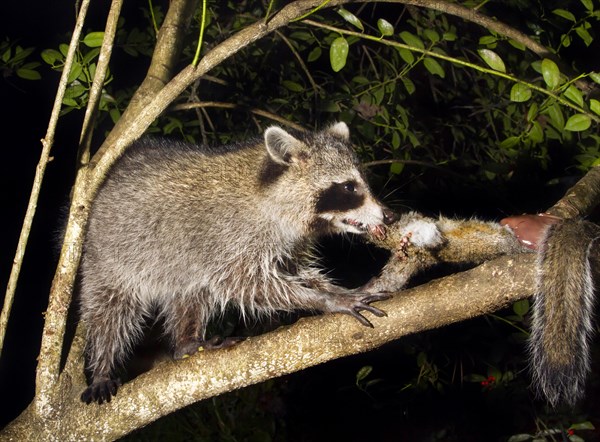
<point x="562" y="311"/>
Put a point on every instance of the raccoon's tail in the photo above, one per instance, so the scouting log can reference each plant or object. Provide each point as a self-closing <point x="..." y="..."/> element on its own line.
<point x="563" y="306"/>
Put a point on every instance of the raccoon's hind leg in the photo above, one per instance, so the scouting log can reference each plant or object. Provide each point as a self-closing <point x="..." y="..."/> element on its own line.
<point x="112" y="330"/>
<point x="185" y="321"/>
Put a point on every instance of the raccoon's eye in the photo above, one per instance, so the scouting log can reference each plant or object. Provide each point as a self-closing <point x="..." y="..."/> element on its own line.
<point x="349" y="186"/>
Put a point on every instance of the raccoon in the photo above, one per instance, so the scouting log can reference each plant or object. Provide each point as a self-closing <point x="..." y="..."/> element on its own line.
<point x="181" y="232"/>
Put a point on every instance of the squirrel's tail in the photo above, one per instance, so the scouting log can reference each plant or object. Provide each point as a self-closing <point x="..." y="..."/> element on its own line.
<point x="562" y="326"/>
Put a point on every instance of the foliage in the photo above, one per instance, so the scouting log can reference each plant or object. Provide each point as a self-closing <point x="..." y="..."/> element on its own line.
<point x="13" y="61"/>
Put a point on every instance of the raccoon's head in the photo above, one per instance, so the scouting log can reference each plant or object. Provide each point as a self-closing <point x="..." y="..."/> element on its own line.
<point x="323" y="176"/>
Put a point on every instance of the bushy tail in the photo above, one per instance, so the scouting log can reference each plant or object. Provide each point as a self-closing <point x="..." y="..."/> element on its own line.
<point x="562" y="326"/>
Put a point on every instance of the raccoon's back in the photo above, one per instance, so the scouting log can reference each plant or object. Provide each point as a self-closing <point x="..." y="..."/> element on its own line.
<point x="167" y="209"/>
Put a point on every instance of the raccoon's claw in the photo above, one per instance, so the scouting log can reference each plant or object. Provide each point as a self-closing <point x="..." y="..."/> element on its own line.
<point x="193" y="346"/>
<point x="353" y="307"/>
<point x="221" y="342"/>
<point x="101" y="391"/>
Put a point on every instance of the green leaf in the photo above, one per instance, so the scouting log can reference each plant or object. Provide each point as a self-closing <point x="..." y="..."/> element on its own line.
<point x="565" y="40"/>
<point x="21" y="54"/>
<point x="6" y="55"/>
<point x="338" y="54"/>
<point x="595" y="76"/>
<point x="588" y="4"/>
<point x="578" y="123"/>
<point x="536" y="133"/>
<point x="115" y="114"/>
<point x="565" y="14"/>
<point x="574" y="94"/>
<point x="587" y="425"/>
<point x="351" y="18"/>
<point x="363" y="373"/>
<point x="411" y="40"/>
<point x="517" y="45"/>
<point x="556" y="117"/>
<point x="449" y="36"/>
<point x="76" y="71"/>
<point x="431" y="35"/>
<point x="584" y="35"/>
<point x="550" y="73"/>
<point x="406" y="55"/>
<point x="595" y="106"/>
<point x="532" y="113"/>
<point x="487" y="40"/>
<point x="396" y="168"/>
<point x="409" y="85"/>
<point x="93" y="39"/>
<point x="292" y="86"/>
<point x="63" y="48"/>
<point x="385" y="27"/>
<point x="315" y="54"/>
<point x="69" y="102"/>
<point x="520" y="93"/>
<point x="51" y="56"/>
<point x="28" y="74"/>
<point x="492" y="59"/>
<point x="434" y="67"/>
<point x="509" y="143"/>
<point x="87" y="58"/>
<point x="77" y="90"/>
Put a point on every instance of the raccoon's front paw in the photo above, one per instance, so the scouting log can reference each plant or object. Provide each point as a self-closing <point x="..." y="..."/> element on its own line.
<point x="355" y="303"/>
<point x="101" y="391"/>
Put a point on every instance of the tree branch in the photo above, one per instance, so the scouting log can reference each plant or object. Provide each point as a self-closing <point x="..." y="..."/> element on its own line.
<point x="47" y="143"/>
<point x="311" y="341"/>
<point x="169" y="41"/>
<point x="581" y="199"/>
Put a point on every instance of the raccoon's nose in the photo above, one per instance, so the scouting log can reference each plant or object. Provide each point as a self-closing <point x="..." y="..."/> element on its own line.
<point x="389" y="216"/>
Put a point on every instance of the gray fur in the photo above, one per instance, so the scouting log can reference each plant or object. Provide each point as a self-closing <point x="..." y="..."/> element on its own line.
<point x="563" y="308"/>
<point x="186" y="231"/>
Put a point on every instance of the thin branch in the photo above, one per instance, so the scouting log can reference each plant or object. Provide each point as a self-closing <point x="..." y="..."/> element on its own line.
<point x="98" y="83"/>
<point x="223" y="105"/>
<point x="300" y="61"/>
<point x="414" y="162"/>
<point x="565" y="102"/>
<point x="47" y="143"/>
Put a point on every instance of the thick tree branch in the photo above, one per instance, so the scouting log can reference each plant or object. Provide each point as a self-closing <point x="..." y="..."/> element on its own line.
<point x="311" y="341"/>
<point x="581" y="199"/>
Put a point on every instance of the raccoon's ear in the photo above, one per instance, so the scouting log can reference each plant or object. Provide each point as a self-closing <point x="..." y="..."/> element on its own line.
<point x="281" y="146"/>
<point x="340" y="130"/>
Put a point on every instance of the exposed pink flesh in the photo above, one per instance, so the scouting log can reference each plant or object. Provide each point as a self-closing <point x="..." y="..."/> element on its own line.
<point x="378" y="231"/>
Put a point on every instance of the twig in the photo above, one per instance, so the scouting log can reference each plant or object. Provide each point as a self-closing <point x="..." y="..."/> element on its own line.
<point x="459" y="62"/>
<point x="223" y="105"/>
<point x="98" y="83"/>
<point x="289" y="44"/>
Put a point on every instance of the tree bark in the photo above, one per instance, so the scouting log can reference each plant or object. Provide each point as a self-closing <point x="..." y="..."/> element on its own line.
<point x="311" y="341"/>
